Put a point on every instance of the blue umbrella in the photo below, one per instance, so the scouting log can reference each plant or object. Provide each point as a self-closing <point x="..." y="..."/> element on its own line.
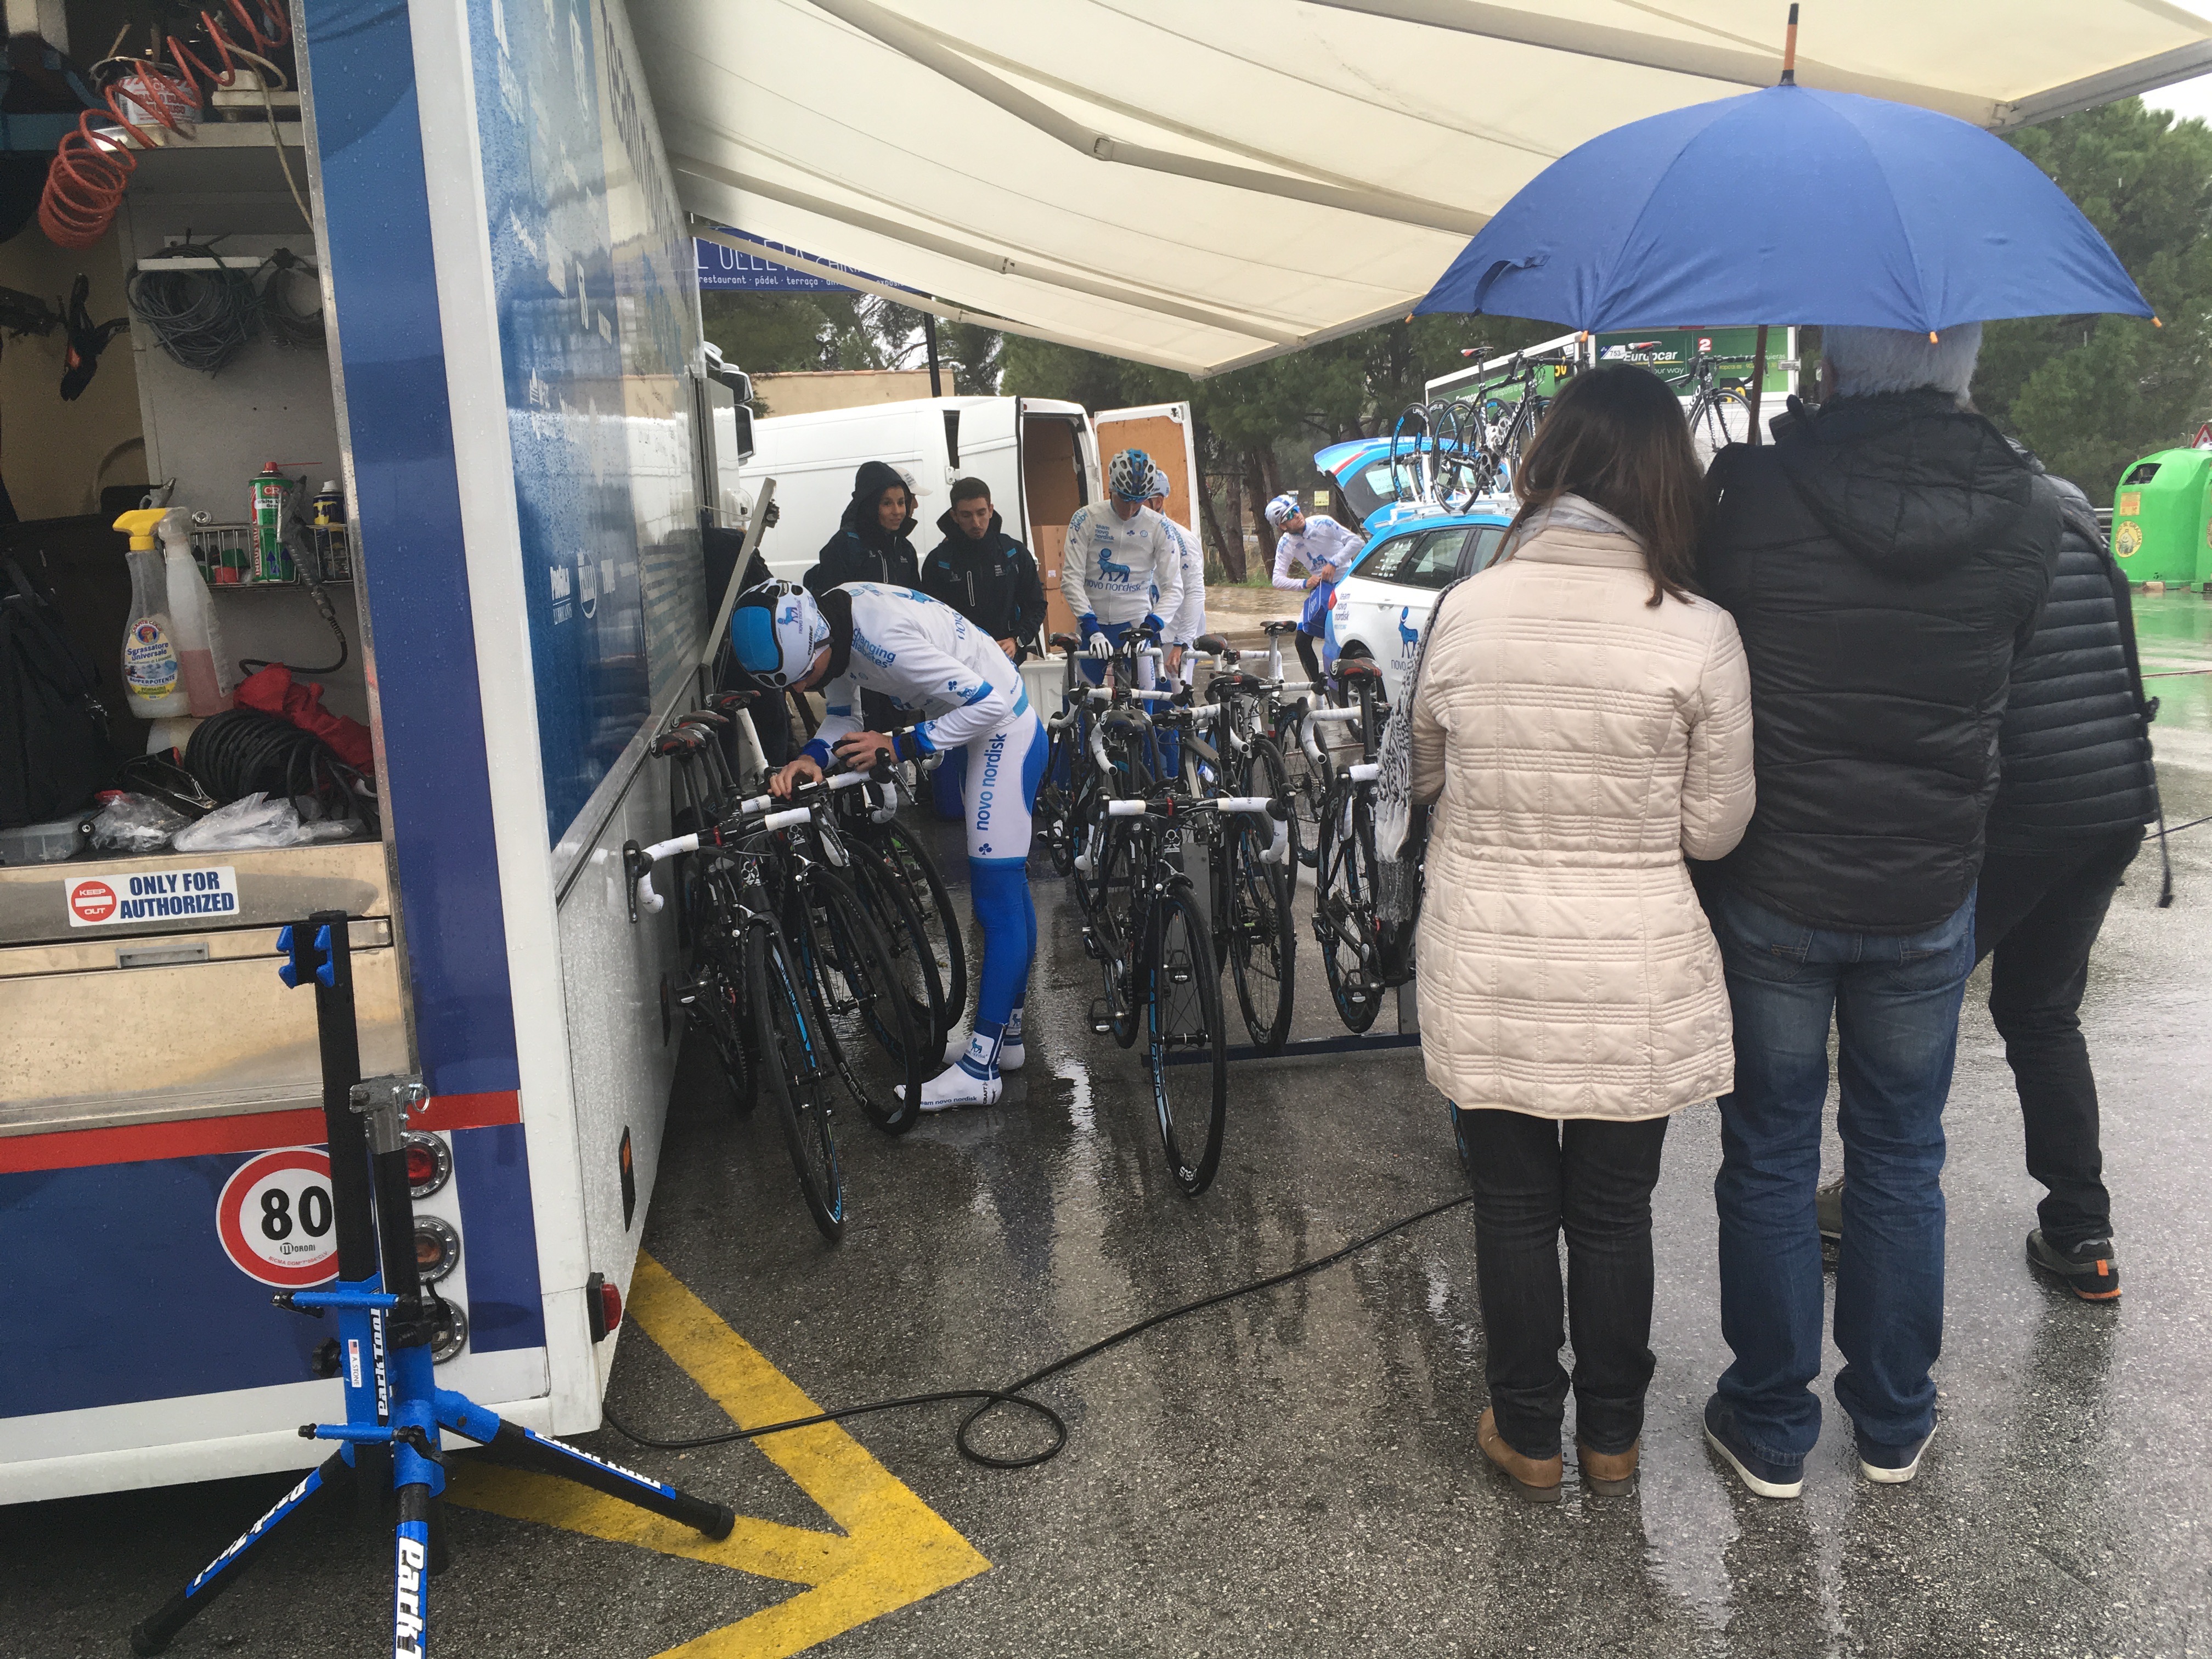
<point x="1788" y="206"/>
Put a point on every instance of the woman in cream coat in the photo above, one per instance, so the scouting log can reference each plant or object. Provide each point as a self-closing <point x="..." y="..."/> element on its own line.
<point x="1583" y="724"/>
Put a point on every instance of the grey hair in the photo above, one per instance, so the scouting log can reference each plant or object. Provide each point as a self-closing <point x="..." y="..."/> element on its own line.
<point x="1869" y="360"/>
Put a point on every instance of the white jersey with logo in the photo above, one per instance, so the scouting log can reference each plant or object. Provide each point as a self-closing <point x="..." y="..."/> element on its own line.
<point x="1121" y="570"/>
<point x="1189" y="620"/>
<point x="1323" y="541"/>
<point x="927" y="658"/>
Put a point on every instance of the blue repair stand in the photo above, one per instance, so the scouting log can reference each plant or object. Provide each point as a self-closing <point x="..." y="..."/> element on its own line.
<point x="388" y="1446"/>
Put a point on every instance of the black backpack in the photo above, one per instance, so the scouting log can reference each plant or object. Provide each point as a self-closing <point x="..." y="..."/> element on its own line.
<point x="53" y="727"/>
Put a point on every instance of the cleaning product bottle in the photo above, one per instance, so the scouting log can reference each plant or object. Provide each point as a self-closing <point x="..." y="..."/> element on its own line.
<point x="150" y="666"/>
<point x="208" y="684"/>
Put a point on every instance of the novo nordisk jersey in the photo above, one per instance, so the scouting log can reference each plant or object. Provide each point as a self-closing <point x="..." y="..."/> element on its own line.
<point x="1121" y="570"/>
<point x="1187" y="620"/>
<point x="927" y="658"/>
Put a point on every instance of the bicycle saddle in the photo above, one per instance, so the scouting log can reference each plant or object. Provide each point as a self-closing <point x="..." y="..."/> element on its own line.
<point x="1064" y="642"/>
<point x="1284" y="627"/>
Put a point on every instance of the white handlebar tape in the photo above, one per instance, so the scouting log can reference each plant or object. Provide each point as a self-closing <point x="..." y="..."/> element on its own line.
<point x="1125" y="809"/>
<point x="785" y="820"/>
<point x="1365" y="771"/>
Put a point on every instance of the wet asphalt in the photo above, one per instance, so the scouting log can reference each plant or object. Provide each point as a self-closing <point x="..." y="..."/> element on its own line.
<point x="1297" y="1472"/>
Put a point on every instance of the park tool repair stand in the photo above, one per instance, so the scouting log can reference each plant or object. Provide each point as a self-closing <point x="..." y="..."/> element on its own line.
<point x="388" y="1443"/>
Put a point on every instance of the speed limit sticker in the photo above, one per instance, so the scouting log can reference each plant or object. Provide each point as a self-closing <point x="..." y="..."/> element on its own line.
<point x="275" y="1219"/>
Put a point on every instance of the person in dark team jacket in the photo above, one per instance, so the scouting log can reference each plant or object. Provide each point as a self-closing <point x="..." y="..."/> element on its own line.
<point x="871" y="545"/>
<point x="983" y="572"/>
<point x="992" y="579"/>
<point x="1884" y="560"/>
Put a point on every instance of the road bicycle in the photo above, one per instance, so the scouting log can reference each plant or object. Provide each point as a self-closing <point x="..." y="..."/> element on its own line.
<point x="1344" y="921"/>
<point x="1437" y="455"/>
<point x="1163" y="978"/>
<point x="743" y="974"/>
<point x="907" y="898"/>
<point x="1720" y="405"/>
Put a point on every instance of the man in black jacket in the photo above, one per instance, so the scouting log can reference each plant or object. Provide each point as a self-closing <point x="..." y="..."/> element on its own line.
<point x="983" y="572"/>
<point x="1883" y="561"/>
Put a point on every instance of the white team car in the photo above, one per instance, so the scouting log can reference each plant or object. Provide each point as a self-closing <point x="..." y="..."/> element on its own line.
<point x="1381" y="608"/>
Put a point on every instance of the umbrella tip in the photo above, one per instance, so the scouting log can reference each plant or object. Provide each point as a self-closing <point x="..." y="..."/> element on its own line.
<point x="1931" y="336"/>
<point x="2155" y="323"/>
<point x="1789" y="49"/>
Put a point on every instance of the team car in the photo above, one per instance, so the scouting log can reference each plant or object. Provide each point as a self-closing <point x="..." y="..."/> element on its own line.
<point x="1380" y="608"/>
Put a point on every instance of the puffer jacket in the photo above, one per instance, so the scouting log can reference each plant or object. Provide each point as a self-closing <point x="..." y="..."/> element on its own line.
<point x="2075" y="738"/>
<point x="862" y="550"/>
<point x="1578" y="743"/>
<point x="1883" y="560"/>
<point x="991" y="579"/>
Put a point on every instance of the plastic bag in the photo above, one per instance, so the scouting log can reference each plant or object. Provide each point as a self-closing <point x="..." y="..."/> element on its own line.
<point x="254" y="821"/>
<point x="136" y="824"/>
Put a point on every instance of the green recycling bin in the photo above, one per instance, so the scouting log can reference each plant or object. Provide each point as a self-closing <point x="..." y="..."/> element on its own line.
<point x="2161" y="515"/>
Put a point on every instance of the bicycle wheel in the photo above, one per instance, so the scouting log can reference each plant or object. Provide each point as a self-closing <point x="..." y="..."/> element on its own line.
<point x="1308" y="786"/>
<point x="1182" y="1012"/>
<point x="1343" y="906"/>
<point x="792" y="1065"/>
<point x="925" y="887"/>
<point x="1262" y="935"/>
<point x="855" y="988"/>
<point x="1124" y="856"/>
<point x="1056" y="801"/>
<point x="1718" y="418"/>
<point x="916" y="971"/>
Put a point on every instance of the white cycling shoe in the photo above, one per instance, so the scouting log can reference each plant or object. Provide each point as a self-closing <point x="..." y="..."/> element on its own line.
<point x="955" y="1086"/>
<point x="1010" y="1052"/>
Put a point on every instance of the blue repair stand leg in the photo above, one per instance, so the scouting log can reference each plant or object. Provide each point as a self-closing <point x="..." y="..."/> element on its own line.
<point x="395" y="1411"/>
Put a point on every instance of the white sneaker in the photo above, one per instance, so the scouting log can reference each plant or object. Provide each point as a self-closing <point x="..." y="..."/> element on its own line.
<point x="955" y="1086"/>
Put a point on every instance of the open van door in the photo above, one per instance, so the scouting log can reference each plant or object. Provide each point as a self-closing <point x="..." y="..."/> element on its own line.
<point x="1059" y="473"/>
<point x="1164" y="432"/>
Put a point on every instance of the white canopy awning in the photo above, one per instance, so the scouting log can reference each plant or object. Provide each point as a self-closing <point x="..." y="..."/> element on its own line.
<point x="1201" y="184"/>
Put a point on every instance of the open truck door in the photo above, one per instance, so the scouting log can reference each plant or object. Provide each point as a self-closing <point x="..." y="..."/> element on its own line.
<point x="1059" y="473"/>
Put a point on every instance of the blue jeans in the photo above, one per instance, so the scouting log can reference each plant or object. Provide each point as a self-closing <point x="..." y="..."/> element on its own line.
<point x="1894" y="1000"/>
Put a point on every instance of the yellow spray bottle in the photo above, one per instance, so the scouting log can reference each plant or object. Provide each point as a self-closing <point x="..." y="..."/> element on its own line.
<point x="151" y="669"/>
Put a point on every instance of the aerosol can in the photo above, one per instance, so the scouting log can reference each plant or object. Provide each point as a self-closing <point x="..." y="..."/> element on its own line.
<point x="151" y="669"/>
<point x="272" y="494"/>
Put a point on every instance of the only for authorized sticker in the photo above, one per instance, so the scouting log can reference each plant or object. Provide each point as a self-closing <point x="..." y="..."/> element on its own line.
<point x="209" y="891"/>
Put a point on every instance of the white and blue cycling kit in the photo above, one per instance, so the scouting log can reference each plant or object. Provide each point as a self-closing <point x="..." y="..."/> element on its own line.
<point x="931" y="660"/>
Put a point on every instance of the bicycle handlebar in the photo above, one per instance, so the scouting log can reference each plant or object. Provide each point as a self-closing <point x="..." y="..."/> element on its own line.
<point x="1243" y="806"/>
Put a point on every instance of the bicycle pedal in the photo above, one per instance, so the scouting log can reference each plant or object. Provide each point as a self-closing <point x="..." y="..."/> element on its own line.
<point x="1091" y="947"/>
<point x="1101" y="1019"/>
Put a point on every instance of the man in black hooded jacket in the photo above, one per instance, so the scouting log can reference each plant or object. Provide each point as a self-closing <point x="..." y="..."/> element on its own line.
<point x="1883" y="560"/>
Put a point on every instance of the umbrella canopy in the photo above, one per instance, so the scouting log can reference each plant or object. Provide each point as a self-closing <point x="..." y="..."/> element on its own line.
<point x="1788" y="205"/>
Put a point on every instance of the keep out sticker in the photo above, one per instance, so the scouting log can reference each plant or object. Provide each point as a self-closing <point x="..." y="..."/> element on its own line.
<point x="153" y="895"/>
<point x="274" y="1218"/>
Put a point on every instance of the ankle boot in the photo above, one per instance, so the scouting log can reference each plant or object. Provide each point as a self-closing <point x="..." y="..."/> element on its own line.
<point x="1536" y="1479"/>
<point x="1609" y="1474"/>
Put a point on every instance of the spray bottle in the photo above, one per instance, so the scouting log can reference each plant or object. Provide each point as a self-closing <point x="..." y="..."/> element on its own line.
<point x="151" y="670"/>
<point x="207" y="682"/>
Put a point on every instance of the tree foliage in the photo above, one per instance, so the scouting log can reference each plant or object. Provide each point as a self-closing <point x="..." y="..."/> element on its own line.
<point x="2091" y="394"/>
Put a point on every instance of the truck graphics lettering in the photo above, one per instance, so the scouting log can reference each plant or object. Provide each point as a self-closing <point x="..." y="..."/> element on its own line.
<point x="94" y="901"/>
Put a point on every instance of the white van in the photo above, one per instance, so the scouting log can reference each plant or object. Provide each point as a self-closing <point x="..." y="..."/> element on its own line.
<point x="1039" y="456"/>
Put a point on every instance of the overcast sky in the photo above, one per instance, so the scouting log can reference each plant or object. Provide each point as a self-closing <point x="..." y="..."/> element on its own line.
<point x="2184" y="97"/>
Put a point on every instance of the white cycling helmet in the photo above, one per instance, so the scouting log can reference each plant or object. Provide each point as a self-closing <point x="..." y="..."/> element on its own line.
<point x="1159" y="485"/>
<point x="1283" y="509"/>
<point x="1130" y="475"/>
<point x="776" y="630"/>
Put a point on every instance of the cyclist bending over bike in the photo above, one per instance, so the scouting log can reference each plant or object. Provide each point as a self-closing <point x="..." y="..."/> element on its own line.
<point x="1324" y="549"/>
<point x="927" y="658"/>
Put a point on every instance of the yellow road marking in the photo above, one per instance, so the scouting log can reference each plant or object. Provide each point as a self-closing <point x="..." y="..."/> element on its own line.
<point x="894" y="1549"/>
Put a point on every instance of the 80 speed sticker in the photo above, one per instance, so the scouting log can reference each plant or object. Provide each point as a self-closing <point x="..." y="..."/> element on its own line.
<point x="275" y="1219"/>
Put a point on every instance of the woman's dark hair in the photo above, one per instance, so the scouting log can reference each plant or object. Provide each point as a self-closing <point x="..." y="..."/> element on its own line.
<point x="1615" y="436"/>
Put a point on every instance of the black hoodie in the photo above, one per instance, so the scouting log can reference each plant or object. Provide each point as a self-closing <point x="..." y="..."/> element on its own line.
<point x="862" y="550"/>
<point x="1883" y="559"/>
<point x="991" y="579"/>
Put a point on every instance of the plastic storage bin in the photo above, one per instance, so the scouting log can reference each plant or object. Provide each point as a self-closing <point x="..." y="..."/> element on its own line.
<point x="42" y="843"/>
<point x="2161" y="513"/>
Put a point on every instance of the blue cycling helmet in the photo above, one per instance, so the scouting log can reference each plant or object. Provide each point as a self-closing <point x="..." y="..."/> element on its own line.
<point x="1130" y="476"/>
<point x="776" y="630"/>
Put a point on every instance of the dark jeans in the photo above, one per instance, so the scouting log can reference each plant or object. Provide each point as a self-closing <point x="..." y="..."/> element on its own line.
<point x="1893" y="1002"/>
<point x="1593" y="1177"/>
<point x="2039" y="914"/>
<point x="1308" y="658"/>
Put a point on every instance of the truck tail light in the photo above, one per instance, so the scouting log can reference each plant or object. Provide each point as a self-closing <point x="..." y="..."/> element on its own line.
<point x="437" y="1248"/>
<point x="603" y="1305"/>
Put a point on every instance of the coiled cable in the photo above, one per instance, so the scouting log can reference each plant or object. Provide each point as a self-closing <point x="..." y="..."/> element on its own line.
<point x="202" y="318"/>
<point x="243" y="751"/>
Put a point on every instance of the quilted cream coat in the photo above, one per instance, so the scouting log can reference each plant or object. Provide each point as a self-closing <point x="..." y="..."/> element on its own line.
<point x="1578" y="743"/>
